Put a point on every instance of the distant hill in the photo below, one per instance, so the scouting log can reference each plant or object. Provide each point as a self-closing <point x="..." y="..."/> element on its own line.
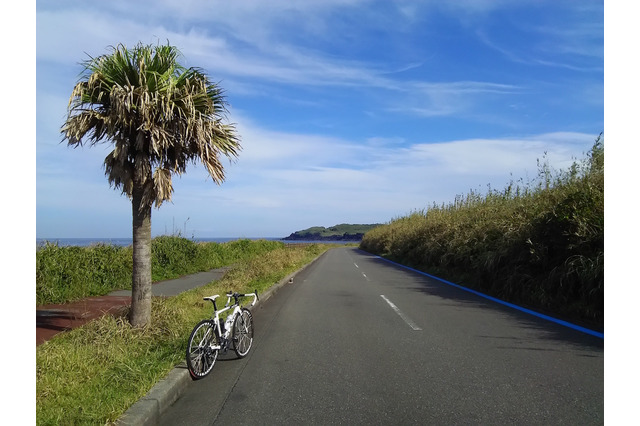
<point x="342" y="232"/>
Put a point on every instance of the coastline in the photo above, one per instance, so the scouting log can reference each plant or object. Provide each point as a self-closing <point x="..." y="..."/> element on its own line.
<point x="124" y="242"/>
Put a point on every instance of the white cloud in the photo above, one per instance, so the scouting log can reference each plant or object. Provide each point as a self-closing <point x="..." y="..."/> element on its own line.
<point x="576" y="44"/>
<point x="68" y="36"/>
<point x="389" y="181"/>
<point x="280" y="176"/>
<point x="285" y="180"/>
<point x="494" y="157"/>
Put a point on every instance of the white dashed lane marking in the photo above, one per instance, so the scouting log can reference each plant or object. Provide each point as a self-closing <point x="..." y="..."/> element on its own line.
<point x="402" y="315"/>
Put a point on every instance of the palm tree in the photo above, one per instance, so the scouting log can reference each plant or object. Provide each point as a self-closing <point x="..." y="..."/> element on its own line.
<point x="158" y="116"/>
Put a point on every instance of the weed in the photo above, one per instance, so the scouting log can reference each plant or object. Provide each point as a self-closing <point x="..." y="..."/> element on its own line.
<point x="93" y="374"/>
<point x="539" y="243"/>
<point x="64" y="274"/>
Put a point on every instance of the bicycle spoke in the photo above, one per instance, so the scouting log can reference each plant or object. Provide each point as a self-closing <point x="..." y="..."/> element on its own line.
<point x="243" y="333"/>
<point x="201" y="354"/>
<point x="207" y="339"/>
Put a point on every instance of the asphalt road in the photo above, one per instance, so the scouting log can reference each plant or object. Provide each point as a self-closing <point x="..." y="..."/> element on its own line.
<point x="357" y="340"/>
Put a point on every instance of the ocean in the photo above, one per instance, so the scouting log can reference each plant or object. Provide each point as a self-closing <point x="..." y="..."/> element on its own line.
<point x="85" y="242"/>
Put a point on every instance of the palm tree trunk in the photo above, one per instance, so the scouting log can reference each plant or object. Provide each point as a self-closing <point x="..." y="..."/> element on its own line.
<point x="140" y="314"/>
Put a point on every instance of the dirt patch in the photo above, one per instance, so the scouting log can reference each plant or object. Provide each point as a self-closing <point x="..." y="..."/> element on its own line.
<point x="54" y="319"/>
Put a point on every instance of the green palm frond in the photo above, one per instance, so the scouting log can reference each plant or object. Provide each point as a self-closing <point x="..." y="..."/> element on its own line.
<point x="158" y="115"/>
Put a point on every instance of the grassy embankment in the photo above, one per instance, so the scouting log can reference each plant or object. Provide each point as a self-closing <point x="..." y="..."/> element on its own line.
<point x="64" y="274"/>
<point x="93" y="374"/>
<point x="539" y="244"/>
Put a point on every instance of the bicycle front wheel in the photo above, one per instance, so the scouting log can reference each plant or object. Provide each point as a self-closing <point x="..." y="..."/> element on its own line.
<point x="243" y="332"/>
<point x="201" y="355"/>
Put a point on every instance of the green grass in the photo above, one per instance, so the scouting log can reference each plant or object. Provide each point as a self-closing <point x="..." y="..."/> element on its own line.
<point x="539" y="244"/>
<point x="68" y="273"/>
<point x="65" y="274"/>
<point x="174" y="256"/>
<point x="93" y="374"/>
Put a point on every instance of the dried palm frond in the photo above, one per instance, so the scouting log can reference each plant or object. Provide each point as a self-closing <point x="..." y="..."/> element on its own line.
<point x="158" y="115"/>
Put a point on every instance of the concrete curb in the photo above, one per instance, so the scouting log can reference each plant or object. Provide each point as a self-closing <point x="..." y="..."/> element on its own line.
<point x="148" y="409"/>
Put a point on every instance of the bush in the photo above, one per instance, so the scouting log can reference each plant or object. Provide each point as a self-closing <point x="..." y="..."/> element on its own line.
<point x="539" y="244"/>
<point x="68" y="273"/>
<point x="64" y="274"/>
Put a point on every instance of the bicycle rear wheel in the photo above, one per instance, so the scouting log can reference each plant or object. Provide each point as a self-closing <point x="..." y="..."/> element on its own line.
<point x="243" y="332"/>
<point x="200" y="355"/>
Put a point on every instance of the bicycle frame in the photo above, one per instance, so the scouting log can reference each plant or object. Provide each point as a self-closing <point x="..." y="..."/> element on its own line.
<point x="228" y="324"/>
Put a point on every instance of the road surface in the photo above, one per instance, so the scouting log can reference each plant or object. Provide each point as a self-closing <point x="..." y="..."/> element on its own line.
<point x="358" y="340"/>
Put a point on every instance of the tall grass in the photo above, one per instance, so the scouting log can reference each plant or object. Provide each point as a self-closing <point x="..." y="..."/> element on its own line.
<point x="64" y="274"/>
<point x="173" y="256"/>
<point x="93" y="374"/>
<point x="539" y="243"/>
<point x="68" y="273"/>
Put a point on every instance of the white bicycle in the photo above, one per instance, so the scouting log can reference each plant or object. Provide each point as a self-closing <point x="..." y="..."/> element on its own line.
<point x="213" y="335"/>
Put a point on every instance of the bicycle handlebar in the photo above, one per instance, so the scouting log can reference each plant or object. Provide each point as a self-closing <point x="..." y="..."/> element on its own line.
<point x="235" y="296"/>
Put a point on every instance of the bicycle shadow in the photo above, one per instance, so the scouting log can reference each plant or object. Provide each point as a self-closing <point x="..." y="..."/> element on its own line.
<point x="230" y="355"/>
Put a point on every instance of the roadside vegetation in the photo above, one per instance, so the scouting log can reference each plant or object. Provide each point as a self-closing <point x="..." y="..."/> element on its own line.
<point x="539" y="244"/>
<point x="93" y="374"/>
<point x="156" y="116"/>
<point x="65" y="274"/>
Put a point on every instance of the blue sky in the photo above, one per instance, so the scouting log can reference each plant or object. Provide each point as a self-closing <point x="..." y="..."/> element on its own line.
<point x="350" y="111"/>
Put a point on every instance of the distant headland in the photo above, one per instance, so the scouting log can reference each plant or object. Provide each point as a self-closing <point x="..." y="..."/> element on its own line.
<point x="342" y="232"/>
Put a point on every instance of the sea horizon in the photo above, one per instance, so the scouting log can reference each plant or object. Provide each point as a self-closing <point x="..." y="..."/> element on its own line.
<point x="88" y="241"/>
<point x="123" y="242"/>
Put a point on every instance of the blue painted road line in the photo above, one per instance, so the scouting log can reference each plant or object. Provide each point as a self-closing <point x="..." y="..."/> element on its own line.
<point x="502" y="302"/>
